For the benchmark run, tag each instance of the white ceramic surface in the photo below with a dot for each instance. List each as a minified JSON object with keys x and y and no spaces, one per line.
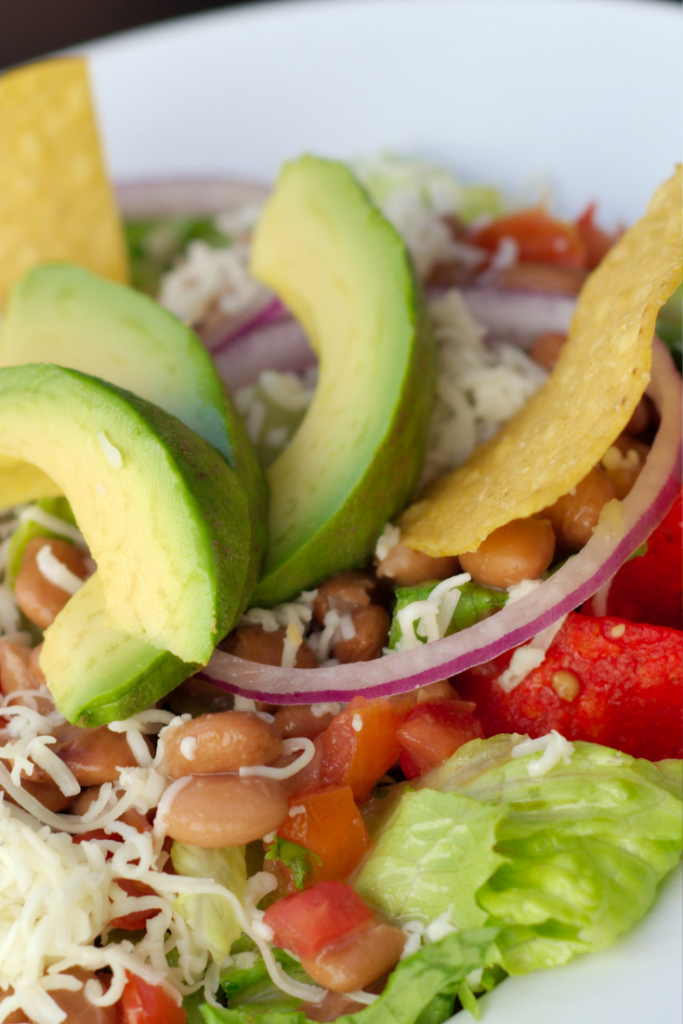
{"x":586,"y":94}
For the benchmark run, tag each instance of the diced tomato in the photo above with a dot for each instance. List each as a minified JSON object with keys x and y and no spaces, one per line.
{"x":603,"y":680}
{"x":310,"y":920}
{"x":136,"y":920}
{"x":308,"y":777}
{"x":142,"y":1003}
{"x":360,"y":744}
{"x":649,"y":587}
{"x":328,"y":822}
{"x":433,"y":731}
{"x":539,"y":238}
{"x":596,"y":241}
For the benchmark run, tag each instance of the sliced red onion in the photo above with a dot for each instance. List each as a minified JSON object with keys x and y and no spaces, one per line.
{"x":517,"y":315}
{"x":280,"y":345}
{"x":186,"y":197}
{"x":265,"y":310}
{"x":577,"y":580}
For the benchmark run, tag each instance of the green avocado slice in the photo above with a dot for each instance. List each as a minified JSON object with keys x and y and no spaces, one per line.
{"x":66,"y":314}
{"x":166,"y":519}
{"x":344,"y":272}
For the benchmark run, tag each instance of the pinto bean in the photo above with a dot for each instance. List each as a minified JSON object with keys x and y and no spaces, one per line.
{"x":42,"y":601}
{"x":343,"y":594}
{"x":225,"y":810}
{"x":299,"y":720}
{"x":372,"y":633}
{"x":47,"y":793}
{"x":15,"y":669}
{"x":575,"y":515}
{"x":77,"y":1006}
{"x":440,"y":690}
{"x":640,"y":418}
{"x":407,"y":568}
{"x":94,"y":755}
{"x":335,"y":1004}
{"x":546,"y":349}
{"x":254,"y":644}
{"x":368,"y":953}
{"x":521,"y":550}
{"x":222,"y":742}
{"x":131,"y":817}
{"x":623,"y":463}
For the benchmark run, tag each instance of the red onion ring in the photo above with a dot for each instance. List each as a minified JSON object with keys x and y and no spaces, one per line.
{"x":575,"y":582}
{"x":518,"y":315}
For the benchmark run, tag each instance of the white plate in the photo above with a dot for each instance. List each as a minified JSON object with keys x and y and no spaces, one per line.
{"x":586,"y":95}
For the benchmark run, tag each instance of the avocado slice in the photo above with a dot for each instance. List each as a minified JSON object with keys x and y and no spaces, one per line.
{"x":65,"y":314}
{"x":344,"y":272}
{"x":166,"y":518}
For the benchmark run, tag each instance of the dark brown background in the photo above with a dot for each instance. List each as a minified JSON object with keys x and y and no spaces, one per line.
{"x":29,"y":28}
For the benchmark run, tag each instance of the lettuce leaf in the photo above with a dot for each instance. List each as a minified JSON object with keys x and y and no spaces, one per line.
{"x":435,"y":972}
{"x":584,"y":846}
{"x":211,"y":918}
{"x":476,"y":602}
{"x":435,"y":852}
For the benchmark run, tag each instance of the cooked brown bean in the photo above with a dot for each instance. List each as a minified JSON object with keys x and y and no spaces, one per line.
{"x":368,"y":954}
{"x":406,"y":567}
{"x":196,"y":696}
{"x":40,"y":600}
{"x":546,"y":349}
{"x":335,"y":1004}
{"x":94,"y":755}
{"x":225,"y":810}
{"x":640,"y":418}
{"x":254,"y":644}
{"x":543,"y":277}
{"x":47,"y":793}
{"x":440,"y":690}
{"x":131,"y":817}
{"x":222,"y":742}
{"x":520,"y":550}
{"x":575,"y":515}
{"x":77,"y":1006}
{"x":342,"y":594}
{"x":299,"y":720}
{"x":15,"y":668}
{"x":372,"y":634}
{"x":623,"y":463}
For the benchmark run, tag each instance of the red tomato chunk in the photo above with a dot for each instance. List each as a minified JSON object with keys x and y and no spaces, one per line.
{"x":361,"y":744}
{"x":649,"y":587}
{"x":142,"y":1003}
{"x":539,"y":238}
{"x":328,"y":823}
{"x":307,"y":922}
{"x":603,"y":680}
{"x":433,"y":731}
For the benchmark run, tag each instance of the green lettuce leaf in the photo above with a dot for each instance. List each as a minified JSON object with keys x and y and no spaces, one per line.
{"x":433,"y":974}
{"x":433,"y":854}
{"x":26,"y":531}
{"x":211,"y":918}
{"x":584,"y":846}
{"x":155,"y":243}
{"x":475,"y":603}
{"x":246,"y":983}
{"x":300,"y":860}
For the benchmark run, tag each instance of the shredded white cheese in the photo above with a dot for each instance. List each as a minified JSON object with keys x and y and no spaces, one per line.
{"x":318,"y":710}
{"x":36,"y":514}
{"x":288,"y":747}
{"x":357,"y":723}
{"x":528,"y":657}
{"x":555,"y":749}
{"x":292,"y":643}
{"x":426,"y":621}
{"x":388,"y":539}
{"x":56,"y":572}
{"x":188,"y":747}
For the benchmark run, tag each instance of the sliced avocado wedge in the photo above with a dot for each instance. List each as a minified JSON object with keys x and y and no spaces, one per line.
{"x":61,"y":313}
{"x":344,"y":272}
{"x":99,"y":673}
{"x":165,"y":517}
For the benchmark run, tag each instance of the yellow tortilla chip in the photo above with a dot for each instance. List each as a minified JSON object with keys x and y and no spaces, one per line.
{"x":568,"y":425}
{"x":55,"y":199}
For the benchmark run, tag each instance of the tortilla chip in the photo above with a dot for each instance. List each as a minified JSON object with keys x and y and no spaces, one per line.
{"x":55,"y":199}
{"x":568,"y":425}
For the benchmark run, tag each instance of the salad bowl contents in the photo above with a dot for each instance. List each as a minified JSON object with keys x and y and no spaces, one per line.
{"x":360,"y":725}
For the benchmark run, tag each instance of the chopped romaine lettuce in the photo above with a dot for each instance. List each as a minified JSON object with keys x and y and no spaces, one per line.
{"x":211,"y":918}
{"x":416,"y":993}
{"x":298,"y":859}
{"x":475,"y":603}
{"x":155,"y":243}
{"x":434,"y":853}
{"x":246,"y":983}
